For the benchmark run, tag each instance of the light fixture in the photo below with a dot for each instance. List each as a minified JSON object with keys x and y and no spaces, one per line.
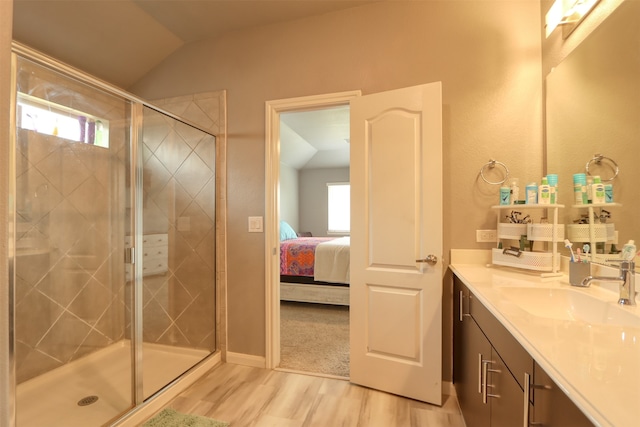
{"x":568,"y":14}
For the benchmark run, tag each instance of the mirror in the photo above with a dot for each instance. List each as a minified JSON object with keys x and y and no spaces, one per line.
{"x":593,"y":107}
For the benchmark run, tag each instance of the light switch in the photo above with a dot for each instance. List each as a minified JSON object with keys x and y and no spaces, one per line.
{"x":255,"y":224}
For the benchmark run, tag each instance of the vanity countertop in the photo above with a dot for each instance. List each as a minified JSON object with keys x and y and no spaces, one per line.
{"x":596,"y":364}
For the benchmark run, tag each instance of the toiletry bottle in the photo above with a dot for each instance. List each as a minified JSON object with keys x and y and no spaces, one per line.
{"x":544,"y":192}
{"x":629,"y":251}
{"x":552,"y":178}
{"x":608,"y":193}
{"x":505,"y":195}
{"x":580,"y":189}
{"x":515,"y":191}
{"x":531,"y":193}
{"x":597,"y":190}
{"x":589,"y":189}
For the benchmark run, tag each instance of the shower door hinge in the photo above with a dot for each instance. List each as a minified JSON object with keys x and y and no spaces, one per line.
{"x":129,"y":255}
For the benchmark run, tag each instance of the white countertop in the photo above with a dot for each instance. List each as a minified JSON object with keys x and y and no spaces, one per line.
{"x":596,"y":365}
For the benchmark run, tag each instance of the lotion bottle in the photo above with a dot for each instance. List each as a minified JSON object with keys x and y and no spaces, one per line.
{"x":544,"y":192}
{"x":515,"y":191}
{"x":597,"y":190}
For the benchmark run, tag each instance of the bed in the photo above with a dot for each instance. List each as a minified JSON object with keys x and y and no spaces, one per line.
{"x":315,"y":269}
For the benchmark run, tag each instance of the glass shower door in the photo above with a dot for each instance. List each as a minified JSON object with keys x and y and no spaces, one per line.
{"x":71,"y":300}
{"x":178,"y":248}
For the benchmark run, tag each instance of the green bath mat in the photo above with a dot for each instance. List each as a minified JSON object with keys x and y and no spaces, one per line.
{"x":172,"y":418}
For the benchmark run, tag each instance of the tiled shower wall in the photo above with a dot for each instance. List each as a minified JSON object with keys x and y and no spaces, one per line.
{"x":179,"y":201}
{"x":208,"y":110}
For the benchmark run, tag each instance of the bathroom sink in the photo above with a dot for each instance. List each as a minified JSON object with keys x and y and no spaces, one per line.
{"x":571,"y":304}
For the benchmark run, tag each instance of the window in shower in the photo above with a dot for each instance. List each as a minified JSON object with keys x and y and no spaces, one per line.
{"x":53,"y":119}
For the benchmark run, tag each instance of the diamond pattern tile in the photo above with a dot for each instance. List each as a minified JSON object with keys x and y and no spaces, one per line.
{"x":63,"y":337}
{"x":155,"y":129}
{"x":199,"y":224}
{"x":63,"y":169}
{"x":33,"y":183}
{"x":155,"y":176}
{"x":195,"y":275}
{"x":174,"y":336}
{"x":155,"y":321}
{"x":206,"y":149}
{"x":172,"y":151}
{"x":38,"y":313}
{"x":193,"y":174}
{"x":91,"y":302}
{"x":64,"y":282}
{"x":206,"y":199}
{"x":90,"y":199}
{"x":189,"y":134}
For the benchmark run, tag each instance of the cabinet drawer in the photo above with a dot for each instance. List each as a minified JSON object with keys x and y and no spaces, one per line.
{"x":514,"y":355}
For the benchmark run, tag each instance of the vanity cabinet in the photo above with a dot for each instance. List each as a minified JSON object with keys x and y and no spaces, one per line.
{"x":487,"y":390}
{"x":494,"y":375}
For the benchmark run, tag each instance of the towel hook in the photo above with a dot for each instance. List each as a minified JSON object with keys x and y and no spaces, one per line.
{"x":492,"y":164}
{"x":598,"y":159}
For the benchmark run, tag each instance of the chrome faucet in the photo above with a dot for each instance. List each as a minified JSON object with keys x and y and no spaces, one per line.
{"x":627,"y":279}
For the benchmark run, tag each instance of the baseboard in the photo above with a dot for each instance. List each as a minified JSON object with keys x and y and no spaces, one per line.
{"x":246,"y":360}
{"x":448,"y":388}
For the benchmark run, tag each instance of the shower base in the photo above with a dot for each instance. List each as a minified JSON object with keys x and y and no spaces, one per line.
{"x":56,"y":399}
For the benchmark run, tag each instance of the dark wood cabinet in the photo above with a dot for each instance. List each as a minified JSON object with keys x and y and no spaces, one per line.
{"x":552,"y":407}
{"x":488,"y":393}
{"x":497,"y":382}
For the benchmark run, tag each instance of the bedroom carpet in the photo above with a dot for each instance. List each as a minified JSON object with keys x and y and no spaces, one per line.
{"x":314,"y":338}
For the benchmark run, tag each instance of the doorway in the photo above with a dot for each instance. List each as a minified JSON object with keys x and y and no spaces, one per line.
{"x":284,"y":118}
{"x":396,"y":150}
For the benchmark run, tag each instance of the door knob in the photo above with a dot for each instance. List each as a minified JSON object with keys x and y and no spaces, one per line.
{"x":430,"y":259}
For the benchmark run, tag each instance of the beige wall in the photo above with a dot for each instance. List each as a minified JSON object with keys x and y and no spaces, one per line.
{"x":6,"y":12}
{"x":487,"y":54}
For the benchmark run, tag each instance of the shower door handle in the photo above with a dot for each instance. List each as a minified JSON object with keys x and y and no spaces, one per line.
{"x":129,"y":255}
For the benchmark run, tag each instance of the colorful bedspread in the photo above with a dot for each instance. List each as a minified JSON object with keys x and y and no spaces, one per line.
{"x":297,"y":256}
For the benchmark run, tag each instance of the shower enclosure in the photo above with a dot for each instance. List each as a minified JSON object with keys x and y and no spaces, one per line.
{"x":113,"y":249}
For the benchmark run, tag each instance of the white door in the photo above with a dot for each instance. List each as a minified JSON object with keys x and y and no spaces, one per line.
{"x":396,"y":224}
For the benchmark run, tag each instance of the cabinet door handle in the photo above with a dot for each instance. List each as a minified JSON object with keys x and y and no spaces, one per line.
{"x":485,"y":382}
{"x":527,"y":397}
{"x":485,"y":364}
{"x":527,"y":392}
{"x":461,"y":303}
{"x":480,"y":366}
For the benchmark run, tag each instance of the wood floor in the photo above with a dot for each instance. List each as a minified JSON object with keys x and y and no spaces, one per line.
{"x":246,"y":396}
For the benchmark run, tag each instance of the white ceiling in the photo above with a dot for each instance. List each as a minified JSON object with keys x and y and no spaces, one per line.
{"x":120,"y":41}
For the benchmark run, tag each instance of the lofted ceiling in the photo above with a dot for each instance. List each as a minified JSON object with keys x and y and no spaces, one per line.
{"x":315,"y":139}
{"x":120,"y":41}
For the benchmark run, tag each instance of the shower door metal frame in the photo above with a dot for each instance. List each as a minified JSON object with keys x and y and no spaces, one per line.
{"x":135,"y":172}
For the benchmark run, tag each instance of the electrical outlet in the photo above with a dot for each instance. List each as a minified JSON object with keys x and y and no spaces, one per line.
{"x":483,"y":236}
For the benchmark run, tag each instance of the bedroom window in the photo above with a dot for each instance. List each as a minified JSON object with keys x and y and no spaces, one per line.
{"x":339,"y":203}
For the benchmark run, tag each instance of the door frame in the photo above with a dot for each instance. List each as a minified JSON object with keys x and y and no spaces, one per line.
{"x":273,"y":109}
